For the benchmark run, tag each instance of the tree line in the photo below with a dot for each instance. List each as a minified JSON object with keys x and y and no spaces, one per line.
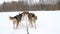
{"x":22,"y":6}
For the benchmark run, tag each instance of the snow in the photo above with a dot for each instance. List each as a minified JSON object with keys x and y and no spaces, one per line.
{"x":48,"y":23}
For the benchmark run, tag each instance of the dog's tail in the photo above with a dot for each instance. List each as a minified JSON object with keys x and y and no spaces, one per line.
{"x":10,"y":17}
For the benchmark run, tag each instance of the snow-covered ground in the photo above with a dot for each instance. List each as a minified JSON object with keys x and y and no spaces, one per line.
{"x":48,"y":23}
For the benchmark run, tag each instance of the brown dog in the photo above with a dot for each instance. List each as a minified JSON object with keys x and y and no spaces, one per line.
{"x":32,"y":18}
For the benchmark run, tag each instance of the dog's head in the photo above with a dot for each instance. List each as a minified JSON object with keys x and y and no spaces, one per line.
{"x":32,"y":16}
{"x":25,"y":13}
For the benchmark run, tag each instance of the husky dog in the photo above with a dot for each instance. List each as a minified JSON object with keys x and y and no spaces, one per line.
{"x":16,"y":20}
{"x":32,"y":18}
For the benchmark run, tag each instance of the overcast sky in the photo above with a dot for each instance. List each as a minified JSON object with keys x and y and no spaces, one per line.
{"x":34,"y":1}
{"x":48,"y":22}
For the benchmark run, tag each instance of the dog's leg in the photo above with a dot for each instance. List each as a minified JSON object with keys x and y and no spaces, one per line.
{"x":17,"y":23}
{"x":13,"y":25}
{"x":30,"y":22}
{"x":35,"y":18}
{"x":34,"y":23}
{"x":14,"y":22}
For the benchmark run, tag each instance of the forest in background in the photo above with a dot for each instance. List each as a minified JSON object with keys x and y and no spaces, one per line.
{"x":23,"y":6}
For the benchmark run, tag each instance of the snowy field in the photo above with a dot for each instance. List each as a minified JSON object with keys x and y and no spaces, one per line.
{"x":48,"y":22}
